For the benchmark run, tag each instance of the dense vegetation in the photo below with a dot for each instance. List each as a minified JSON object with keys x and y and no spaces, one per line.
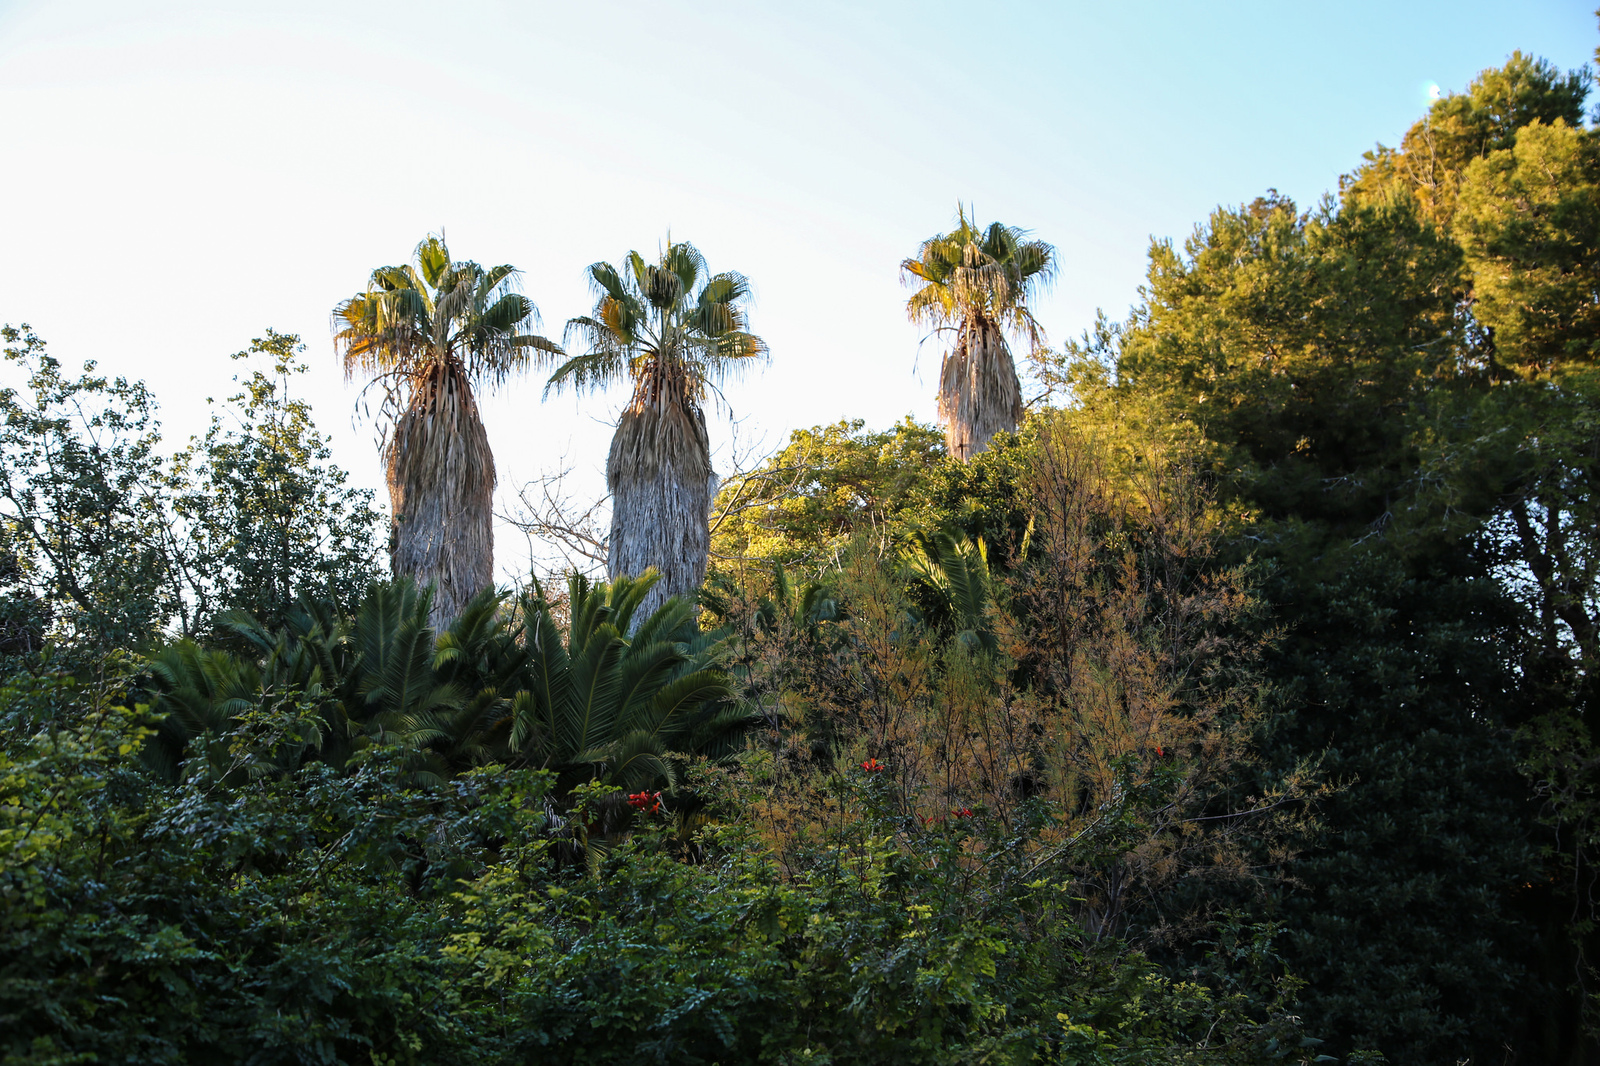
{"x":1238,"y":706}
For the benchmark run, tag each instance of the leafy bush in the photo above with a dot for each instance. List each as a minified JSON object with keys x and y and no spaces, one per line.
{"x":320,"y":917}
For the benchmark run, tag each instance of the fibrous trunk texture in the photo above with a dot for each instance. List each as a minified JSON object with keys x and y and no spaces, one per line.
{"x":979,"y":394}
{"x":441,"y":486}
{"x":661,"y":482}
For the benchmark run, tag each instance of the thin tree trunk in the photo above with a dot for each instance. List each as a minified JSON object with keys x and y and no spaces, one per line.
{"x":979,"y":394}
{"x":441,"y":487}
{"x":659,"y":473}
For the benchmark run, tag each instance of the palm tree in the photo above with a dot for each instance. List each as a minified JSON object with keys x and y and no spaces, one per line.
{"x":430,"y":332}
{"x":673,"y":330}
{"x":978,"y":282}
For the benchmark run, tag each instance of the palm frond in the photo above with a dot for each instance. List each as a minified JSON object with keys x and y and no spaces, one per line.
{"x":501,"y":319}
{"x":685,"y":263}
{"x":541,"y":344}
{"x":636,"y":760}
{"x":549,"y":697}
{"x":394,"y":644}
{"x":595,"y":370}
{"x":627,"y":594}
{"x":677,"y":703}
{"x":432,"y":258}
{"x":958,"y":569}
{"x":671,"y":622}
{"x":530,"y":731}
{"x":496,"y":278}
{"x":604,"y":281}
{"x":720,"y":733}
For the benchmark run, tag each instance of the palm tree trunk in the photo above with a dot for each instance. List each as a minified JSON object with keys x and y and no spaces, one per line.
{"x":979,"y":394}
{"x":441,"y":487}
{"x":661,"y":482}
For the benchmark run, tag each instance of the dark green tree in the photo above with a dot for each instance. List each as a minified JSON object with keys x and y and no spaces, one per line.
{"x":267,"y":516}
{"x":92,"y":559}
{"x":1529,"y":222}
{"x":1461,"y":127}
{"x":107,"y":543}
{"x":1316,"y":352}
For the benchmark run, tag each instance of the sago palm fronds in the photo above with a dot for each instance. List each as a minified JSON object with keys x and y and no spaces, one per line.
{"x":613,"y":694}
{"x":429,"y":333}
{"x":672,"y":330}
{"x":978,"y":282}
{"x":352,"y":681}
{"x":956,"y":568}
{"x":613,"y":707}
{"x":201,"y":692}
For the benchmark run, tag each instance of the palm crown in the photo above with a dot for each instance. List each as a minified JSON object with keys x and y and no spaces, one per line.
{"x":434,"y":320}
{"x":973,"y":275}
{"x":671,"y":328}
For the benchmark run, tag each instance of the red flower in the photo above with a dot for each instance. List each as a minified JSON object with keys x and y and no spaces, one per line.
{"x":648,"y":802}
{"x":965,"y":812}
{"x":873,"y":766}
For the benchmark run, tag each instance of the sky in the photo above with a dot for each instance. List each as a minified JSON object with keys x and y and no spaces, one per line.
{"x":178,"y":177}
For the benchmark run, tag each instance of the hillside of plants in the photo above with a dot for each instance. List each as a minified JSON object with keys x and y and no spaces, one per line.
{"x":1216,"y":688}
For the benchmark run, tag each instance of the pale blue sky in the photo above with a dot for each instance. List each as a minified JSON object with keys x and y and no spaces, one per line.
{"x":179,"y":176}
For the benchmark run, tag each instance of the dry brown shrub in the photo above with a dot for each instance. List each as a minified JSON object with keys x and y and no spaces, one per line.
{"x":1122,"y":701}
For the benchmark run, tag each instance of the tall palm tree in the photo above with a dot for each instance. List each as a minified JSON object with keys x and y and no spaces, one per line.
{"x":978,"y":282}
{"x":430,"y":332}
{"x":673,"y":330}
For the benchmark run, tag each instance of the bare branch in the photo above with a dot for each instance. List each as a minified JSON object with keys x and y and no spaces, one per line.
{"x":753,"y":484}
{"x":548,"y":511}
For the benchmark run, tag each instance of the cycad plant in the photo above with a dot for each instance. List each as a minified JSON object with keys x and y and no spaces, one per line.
{"x":375,"y":676}
{"x":430,"y":333}
{"x":977,"y":282}
{"x":955,"y":570}
{"x":602,"y":697}
{"x":611,"y":699}
{"x":673,"y":330}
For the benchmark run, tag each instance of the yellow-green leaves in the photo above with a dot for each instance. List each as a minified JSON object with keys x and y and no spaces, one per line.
{"x":1529,"y":220}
